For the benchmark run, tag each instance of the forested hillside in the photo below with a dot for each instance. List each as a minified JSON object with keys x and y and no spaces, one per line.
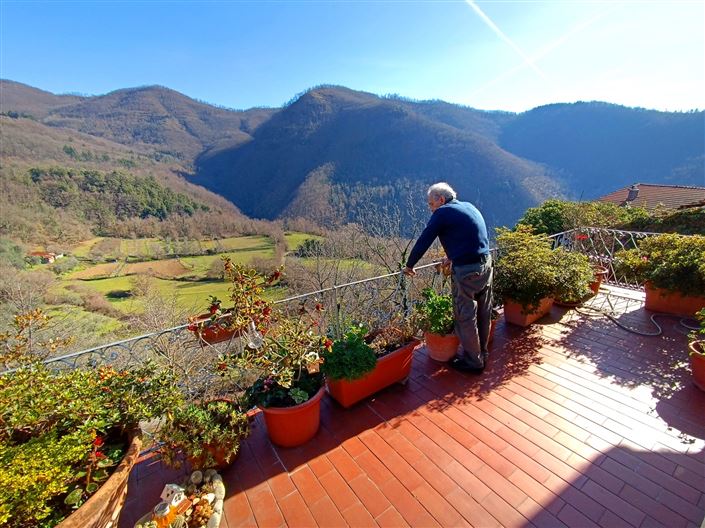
{"x":346,"y":148}
{"x":600,"y":147}
{"x":334,"y":152}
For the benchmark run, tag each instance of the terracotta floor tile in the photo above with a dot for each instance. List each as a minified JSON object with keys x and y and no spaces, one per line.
{"x":391,"y":518}
{"x":369,"y":494}
{"x":408,"y":506}
{"x":326,"y":514}
{"x":295,"y":511}
{"x":356,"y":515}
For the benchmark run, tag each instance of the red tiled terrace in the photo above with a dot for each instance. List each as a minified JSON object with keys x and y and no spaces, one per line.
{"x":575,"y":422}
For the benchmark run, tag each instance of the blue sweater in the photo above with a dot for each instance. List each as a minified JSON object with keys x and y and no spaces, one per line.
{"x":461,"y":230}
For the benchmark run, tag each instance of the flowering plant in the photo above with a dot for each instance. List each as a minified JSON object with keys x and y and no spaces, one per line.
{"x":250,"y":307}
{"x":669,"y":261}
{"x":286,"y":357}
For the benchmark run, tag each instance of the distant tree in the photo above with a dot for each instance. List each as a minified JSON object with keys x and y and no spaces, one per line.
{"x":12,"y":253}
{"x":64,"y":265}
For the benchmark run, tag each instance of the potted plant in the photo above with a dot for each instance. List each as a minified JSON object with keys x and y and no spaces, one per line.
{"x":435,"y":317}
{"x":288,"y":385}
{"x":69,"y":439}
{"x":525,"y":274}
{"x":362,"y":363}
{"x":250,"y":307}
{"x":697,"y":352}
{"x":574,"y":274}
{"x":672,"y":269}
{"x":207,"y":433}
{"x":600,"y":274}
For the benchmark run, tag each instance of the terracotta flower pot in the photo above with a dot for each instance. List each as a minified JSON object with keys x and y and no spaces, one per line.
{"x":390,"y":369}
{"x":697,"y":363}
{"x":102,"y":509}
{"x":219,"y":454}
{"x":493,"y":325}
{"x":293,"y":426}
{"x":665,"y":301}
{"x":514,"y":313}
{"x":441,"y":347}
{"x":600,"y":276}
{"x":215,"y":332}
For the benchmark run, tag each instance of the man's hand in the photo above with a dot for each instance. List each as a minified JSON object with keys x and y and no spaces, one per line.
{"x":409,"y":272}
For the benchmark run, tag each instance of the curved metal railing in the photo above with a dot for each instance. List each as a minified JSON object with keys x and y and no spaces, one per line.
{"x":379,"y":297}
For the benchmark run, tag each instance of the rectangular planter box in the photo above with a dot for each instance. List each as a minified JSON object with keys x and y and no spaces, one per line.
{"x":665,"y":301}
{"x":514,"y":313}
{"x":390,"y":369}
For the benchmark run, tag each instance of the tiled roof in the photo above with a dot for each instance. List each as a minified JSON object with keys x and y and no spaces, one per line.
{"x":650,"y":195}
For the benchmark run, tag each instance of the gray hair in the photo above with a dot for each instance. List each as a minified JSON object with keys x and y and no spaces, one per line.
{"x":442,"y":189}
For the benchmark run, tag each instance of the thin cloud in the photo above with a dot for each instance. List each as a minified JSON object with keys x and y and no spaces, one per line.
{"x":527,"y":60}
{"x":546,"y":49}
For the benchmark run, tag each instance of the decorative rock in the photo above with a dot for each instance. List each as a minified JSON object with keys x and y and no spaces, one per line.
{"x":218,"y":489}
{"x":196,"y":477}
{"x":208,"y":475}
{"x":214,"y":521}
{"x":210,"y":497}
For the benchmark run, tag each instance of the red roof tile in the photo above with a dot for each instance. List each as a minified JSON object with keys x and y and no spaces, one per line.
{"x":650,"y":196}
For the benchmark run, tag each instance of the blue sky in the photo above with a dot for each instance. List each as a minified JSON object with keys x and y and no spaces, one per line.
{"x":495,"y":55}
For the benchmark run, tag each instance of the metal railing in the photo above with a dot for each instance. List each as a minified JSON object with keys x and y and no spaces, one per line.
{"x":374,"y":298}
{"x":191,"y":359}
{"x":600,"y":245}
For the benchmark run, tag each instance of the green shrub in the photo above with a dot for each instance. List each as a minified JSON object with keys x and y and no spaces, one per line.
{"x":525,"y":270}
{"x":193,"y":427}
{"x":669,"y":261}
{"x":435,"y":312}
{"x":573,"y":275}
{"x":555,"y":216}
{"x":59,"y":432}
{"x":350,"y":357}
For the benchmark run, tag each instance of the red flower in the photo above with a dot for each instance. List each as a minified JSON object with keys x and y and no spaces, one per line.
{"x":582,"y":237}
{"x":98,"y":441}
{"x":99,"y":455}
{"x":319,"y":307}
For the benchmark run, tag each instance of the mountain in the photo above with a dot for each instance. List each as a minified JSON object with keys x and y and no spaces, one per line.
{"x":350,"y":148}
{"x":334,"y":153}
{"x":151,"y":117}
{"x":31,"y":102}
{"x":599,"y":147}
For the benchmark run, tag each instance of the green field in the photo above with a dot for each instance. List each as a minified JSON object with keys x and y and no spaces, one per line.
{"x":295,"y":239}
{"x":184,"y":277}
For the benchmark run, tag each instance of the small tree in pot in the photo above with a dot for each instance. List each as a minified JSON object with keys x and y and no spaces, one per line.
{"x":672,"y":269}
{"x":435,"y":318}
{"x":525,"y":274}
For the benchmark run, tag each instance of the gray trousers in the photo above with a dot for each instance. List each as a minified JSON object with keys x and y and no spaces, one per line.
{"x":472,"y":307}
